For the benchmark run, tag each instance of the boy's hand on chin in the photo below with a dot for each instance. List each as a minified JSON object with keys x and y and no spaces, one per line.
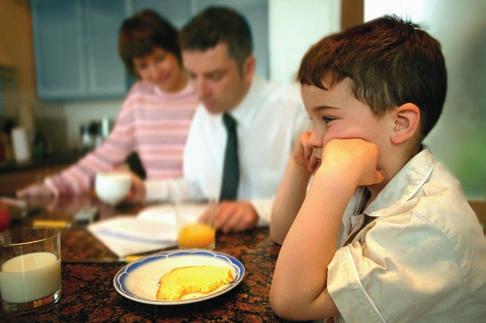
{"x":352,"y":157}
{"x":302,"y":152}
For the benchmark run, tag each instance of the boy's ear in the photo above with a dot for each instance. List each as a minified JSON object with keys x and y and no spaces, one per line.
{"x":406,"y":119}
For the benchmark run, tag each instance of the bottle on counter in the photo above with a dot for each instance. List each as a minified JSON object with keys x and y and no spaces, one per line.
{"x":40,"y":148}
{"x":21,"y":145}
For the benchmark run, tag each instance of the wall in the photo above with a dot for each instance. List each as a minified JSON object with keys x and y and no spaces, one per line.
{"x":16,"y":50}
{"x":81,"y":112}
{"x":459,"y":139}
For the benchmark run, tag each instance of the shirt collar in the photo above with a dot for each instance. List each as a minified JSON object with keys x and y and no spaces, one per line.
{"x":405,"y":184}
{"x":244,"y":111}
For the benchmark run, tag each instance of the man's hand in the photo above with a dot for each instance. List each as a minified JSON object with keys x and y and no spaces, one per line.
{"x":302,"y":152}
{"x":137,"y":190}
{"x":232,"y":216}
{"x":35,"y":190}
{"x":352,"y":156}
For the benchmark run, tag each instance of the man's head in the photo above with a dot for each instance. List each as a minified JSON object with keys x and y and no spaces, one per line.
{"x":389,"y":62}
{"x":217,"y":50}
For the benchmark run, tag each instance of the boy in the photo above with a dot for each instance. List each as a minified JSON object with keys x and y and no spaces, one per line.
{"x":384,"y":233}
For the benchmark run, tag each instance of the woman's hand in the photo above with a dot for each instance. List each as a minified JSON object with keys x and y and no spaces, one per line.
{"x":137,"y":190}
{"x":34,"y":190}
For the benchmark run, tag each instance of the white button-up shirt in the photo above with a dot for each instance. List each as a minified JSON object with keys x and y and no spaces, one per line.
{"x":421,"y":256}
{"x":269,"y":119}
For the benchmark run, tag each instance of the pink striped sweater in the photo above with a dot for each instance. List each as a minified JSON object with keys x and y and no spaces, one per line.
{"x":152,"y":123}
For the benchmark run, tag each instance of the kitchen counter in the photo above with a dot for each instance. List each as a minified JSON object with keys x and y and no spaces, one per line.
{"x":54,"y":160}
{"x":15,"y":176}
{"x":88,"y":294}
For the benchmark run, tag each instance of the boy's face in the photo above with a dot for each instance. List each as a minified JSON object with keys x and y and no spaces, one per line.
{"x":219,"y":84}
{"x":336,"y":113}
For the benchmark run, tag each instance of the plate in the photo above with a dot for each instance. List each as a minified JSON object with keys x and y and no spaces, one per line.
{"x":139,"y":280}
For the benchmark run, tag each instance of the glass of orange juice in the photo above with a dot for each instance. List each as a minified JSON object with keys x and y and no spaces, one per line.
{"x":195,"y":234}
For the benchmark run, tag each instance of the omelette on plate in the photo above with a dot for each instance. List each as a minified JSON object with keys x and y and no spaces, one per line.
{"x":184,"y":281}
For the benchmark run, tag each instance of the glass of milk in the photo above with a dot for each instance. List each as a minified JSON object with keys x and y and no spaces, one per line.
{"x":30,"y":268}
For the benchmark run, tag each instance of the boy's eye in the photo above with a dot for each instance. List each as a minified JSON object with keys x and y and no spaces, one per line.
{"x":328,"y":119}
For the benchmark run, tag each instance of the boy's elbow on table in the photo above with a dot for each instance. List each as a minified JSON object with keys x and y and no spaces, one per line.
{"x":283,"y":305}
{"x":288,"y":306}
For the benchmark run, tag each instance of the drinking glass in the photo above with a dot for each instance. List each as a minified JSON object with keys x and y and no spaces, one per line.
{"x":30,"y":263}
{"x":191,"y":233}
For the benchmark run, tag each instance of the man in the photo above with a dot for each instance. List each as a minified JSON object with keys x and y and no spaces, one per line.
{"x":217,"y":54}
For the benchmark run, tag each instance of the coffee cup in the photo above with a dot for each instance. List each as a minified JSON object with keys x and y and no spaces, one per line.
{"x":112,"y":187}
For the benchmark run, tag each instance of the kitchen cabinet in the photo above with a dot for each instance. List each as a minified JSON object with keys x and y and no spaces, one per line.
{"x":177,"y":12}
{"x":76,"y":53}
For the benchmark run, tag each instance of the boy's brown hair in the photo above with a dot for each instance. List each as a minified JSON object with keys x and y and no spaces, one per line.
{"x":389,"y":60}
{"x":142,"y":33}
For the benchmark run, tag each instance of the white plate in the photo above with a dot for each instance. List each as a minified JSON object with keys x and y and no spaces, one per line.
{"x":139,"y":280}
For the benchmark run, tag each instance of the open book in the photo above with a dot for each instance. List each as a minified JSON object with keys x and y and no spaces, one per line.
{"x":151,"y":229}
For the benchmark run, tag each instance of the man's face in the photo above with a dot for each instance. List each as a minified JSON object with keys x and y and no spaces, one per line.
{"x":219,"y":83}
{"x":337,"y":114}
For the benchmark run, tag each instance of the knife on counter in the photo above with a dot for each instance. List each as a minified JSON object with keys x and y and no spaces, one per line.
{"x":125,"y":259}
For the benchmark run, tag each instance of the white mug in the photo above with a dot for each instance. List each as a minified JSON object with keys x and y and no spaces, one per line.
{"x":112,"y":187}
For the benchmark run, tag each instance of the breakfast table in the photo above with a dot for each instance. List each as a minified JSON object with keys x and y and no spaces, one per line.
{"x":88,"y":268}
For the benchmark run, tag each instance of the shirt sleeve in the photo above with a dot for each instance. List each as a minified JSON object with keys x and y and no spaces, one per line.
{"x":401,"y":268}
{"x":177,"y":189}
{"x":112,"y":152}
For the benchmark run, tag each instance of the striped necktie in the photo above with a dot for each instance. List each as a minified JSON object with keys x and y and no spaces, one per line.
{"x":231,"y":167}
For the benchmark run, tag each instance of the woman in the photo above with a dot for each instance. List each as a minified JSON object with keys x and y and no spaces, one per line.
{"x":155,"y":117}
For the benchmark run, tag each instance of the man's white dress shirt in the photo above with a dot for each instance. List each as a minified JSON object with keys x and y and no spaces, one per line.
{"x":269,"y":119}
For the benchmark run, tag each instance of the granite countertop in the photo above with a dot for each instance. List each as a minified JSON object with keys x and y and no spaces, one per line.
{"x":88,"y":293}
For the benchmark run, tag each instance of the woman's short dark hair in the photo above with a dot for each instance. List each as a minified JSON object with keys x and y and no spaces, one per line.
{"x":141,"y":33}
{"x":389,"y":60}
{"x":218,"y":24}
